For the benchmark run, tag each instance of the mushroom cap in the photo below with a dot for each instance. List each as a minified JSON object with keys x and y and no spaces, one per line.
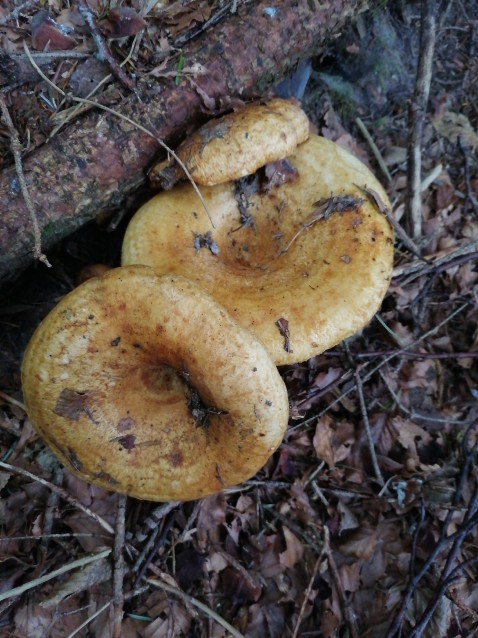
{"x":300,"y":285}
{"x":237,"y":144}
{"x":144,"y":385}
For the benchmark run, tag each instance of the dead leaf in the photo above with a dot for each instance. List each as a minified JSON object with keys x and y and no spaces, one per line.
{"x":122,"y":22}
{"x":361,"y":544}
{"x":332,"y":443}
{"x":48,"y":35}
{"x":294,"y":551}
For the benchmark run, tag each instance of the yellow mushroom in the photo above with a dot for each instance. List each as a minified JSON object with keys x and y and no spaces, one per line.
{"x":236,"y":144}
{"x":302,"y":265}
{"x":145,"y":385}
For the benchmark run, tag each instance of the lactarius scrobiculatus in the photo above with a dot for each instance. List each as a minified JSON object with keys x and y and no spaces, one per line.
{"x":302,"y":258}
{"x":144,"y":385}
{"x":237,"y":144}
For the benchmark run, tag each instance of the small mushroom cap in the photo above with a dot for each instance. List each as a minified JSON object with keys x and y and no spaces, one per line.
{"x":144,"y":385}
{"x":300,"y":274}
{"x":237,"y":144}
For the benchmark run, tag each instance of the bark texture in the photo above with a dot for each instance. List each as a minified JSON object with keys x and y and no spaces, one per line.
{"x":97,"y":162}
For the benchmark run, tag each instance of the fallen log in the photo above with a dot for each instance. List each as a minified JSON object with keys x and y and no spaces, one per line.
{"x":92,"y":166}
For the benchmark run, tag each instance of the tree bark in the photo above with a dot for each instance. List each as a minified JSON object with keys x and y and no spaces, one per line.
{"x":97,"y":162}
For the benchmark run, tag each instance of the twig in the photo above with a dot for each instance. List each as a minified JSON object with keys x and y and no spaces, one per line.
{"x":439,"y":262}
{"x":374,"y":148}
{"x":153,"y":521}
{"x":51,"y":56}
{"x":14,"y":15}
{"x":416,"y":533}
{"x":427,"y":615}
{"x":347,"y":611}
{"x":154,"y":547}
{"x":384,"y":209}
{"x":307,"y":593}
{"x":323,"y":209}
{"x":163,"y":145}
{"x":371,"y":354}
{"x":417,"y":116}
{"x":469,"y":198}
{"x":214,"y":19}
{"x":456,"y":539}
{"x":61,"y":118}
{"x":365,"y":419}
{"x":80,"y":562}
{"x":99,"y":611}
{"x":411,"y":414}
{"x":61,"y":492}
{"x":50,"y":508}
{"x":16,"y":149}
{"x":189,"y":600}
{"x":118,"y":574}
{"x":376,"y":368}
{"x":104,"y":52}
{"x":6,"y":397}
{"x":89,"y":619}
{"x":430,"y":178}
{"x":368,"y":431}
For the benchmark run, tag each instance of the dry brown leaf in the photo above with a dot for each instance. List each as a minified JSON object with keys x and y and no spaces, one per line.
{"x":350,"y":577}
{"x":294,"y":550}
{"x":348,"y":520}
{"x":361,"y":544}
{"x":332,"y":442}
{"x":212,"y":515}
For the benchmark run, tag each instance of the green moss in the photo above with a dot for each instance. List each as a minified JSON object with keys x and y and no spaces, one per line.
{"x":48,"y":232}
{"x":344,"y":96}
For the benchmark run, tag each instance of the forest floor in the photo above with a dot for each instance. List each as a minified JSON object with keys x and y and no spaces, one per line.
{"x":365,"y":521}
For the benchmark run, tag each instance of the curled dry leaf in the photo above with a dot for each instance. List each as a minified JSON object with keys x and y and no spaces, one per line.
{"x":294,"y":550}
{"x":122,"y":22}
{"x":47,"y":34}
{"x":361,"y":544}
{"x":332,"y":442}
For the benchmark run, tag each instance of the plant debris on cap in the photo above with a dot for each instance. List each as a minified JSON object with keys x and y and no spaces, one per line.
{"x":236,"y":144}
{"x":314,"y":255}
{"x":143,"y":384}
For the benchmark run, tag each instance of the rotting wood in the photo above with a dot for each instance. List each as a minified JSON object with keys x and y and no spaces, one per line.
{"x":97,"y":162}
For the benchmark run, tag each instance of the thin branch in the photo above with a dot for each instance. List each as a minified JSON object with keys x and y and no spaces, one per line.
{"x":374,"y":148}
{"x":417,"y":113}
{"x":128,"y":596}
{"x":368,"y":431}
{"x":427,"y":615}
{"x":346,"y":608}
{"x":377,"y":367}
{"x":307,"y":593}
{"x":456,"y":540}
{"x":375,"y":199}
{"x":80,"y":562}
{"x":469,"y":197}
{"x":189,"y":600}
{"x":16,"y":149}
{"x":61,"y":492}
{"x":163,"y":145}
{"x":153,"y":545}
{"x":436,"y":263}
{"x":371,"y":354}
{"x":104,"y":52}
{"x":118,"y":574}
